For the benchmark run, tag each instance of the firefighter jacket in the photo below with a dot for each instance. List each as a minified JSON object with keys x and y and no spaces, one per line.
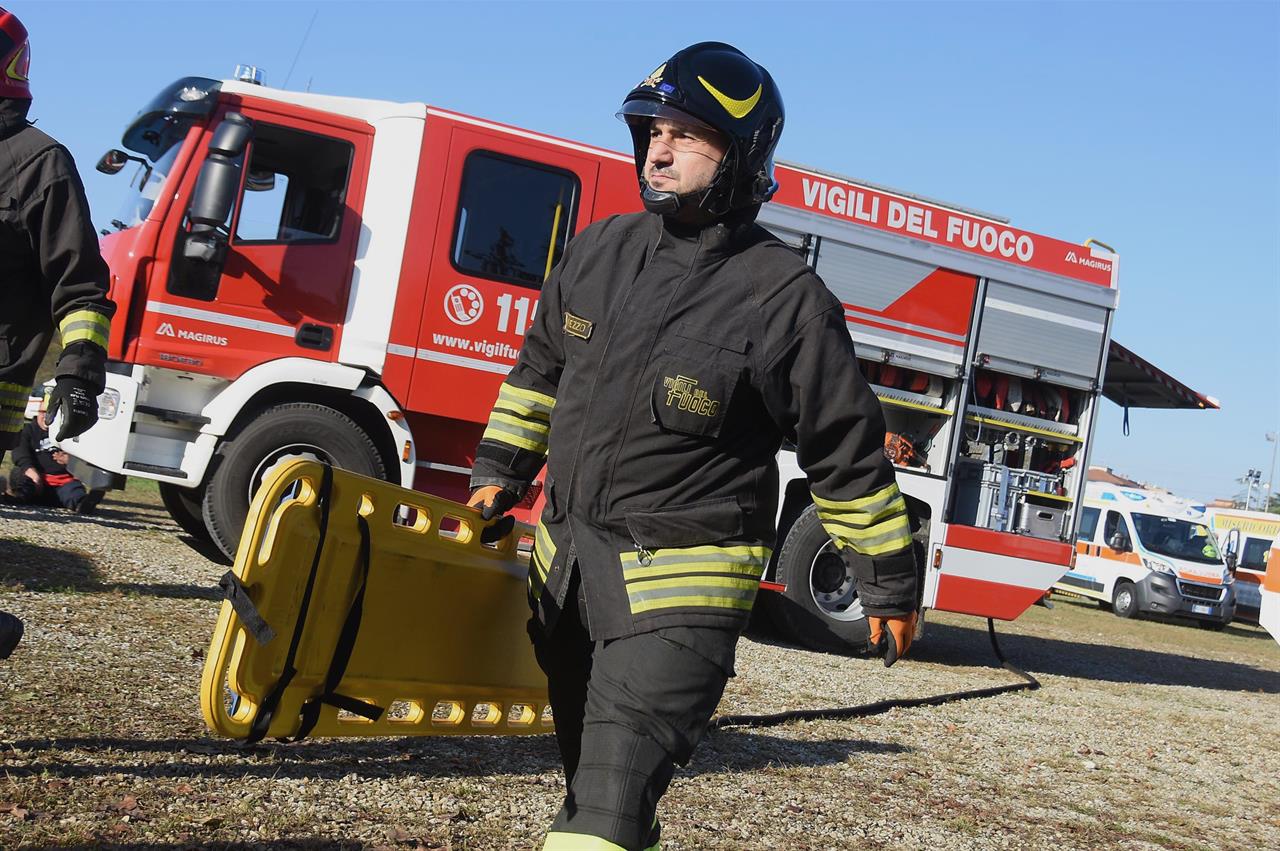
{"x":50,"y":269}
{"x":661,"y":375}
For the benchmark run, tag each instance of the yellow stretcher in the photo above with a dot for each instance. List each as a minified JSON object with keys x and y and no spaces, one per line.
{"x":358,"y":608}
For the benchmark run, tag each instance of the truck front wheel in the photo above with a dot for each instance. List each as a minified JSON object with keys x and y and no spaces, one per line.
{"x":185,"y":506}
{"x":820,"y":608}
{"x":279,"y":434}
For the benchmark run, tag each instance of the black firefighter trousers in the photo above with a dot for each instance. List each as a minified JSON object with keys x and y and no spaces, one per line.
{"x":626,"y":711}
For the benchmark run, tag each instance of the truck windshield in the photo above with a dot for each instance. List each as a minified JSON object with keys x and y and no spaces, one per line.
{"x":144,"y":189}
{"x":1175,"y":538}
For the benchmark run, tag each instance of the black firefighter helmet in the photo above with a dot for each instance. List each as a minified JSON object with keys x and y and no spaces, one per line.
{"x":717,"y":85}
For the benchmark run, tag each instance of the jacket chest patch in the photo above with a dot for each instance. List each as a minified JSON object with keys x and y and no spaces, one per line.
{"x":576,"y":326}
{"x":684,"y":394}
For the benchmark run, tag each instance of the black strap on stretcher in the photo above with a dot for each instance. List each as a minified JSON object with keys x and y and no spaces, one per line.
{"x":342,"y":653}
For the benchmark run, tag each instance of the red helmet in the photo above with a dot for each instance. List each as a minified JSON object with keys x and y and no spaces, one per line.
{"x":15,"y":57}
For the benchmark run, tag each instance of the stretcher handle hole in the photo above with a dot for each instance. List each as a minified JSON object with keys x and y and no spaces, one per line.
{"x":447,"y":713}
{"x":300,"y":492}
{"x":521,"y":715}
{"x":366,"y":505}
{"x":486,"y":714}
{"x":548,"y":717}
{"x":238,"y":708}
{"x":455,"y":528}
{"x":406,"y":712}
{"x":345,"y":717}
{"x":412,"y":517}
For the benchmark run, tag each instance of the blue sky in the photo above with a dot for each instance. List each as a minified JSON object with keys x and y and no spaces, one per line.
{"x":1154,"y":127}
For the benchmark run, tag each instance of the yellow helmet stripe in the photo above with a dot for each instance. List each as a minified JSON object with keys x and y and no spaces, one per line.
{"x":736,"y":108}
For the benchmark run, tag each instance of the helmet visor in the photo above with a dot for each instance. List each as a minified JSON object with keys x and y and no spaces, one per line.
{"x":642,"y":109}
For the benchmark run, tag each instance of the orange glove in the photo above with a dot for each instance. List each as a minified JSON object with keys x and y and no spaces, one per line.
{"x":484,"y":498}
{"x":890,"y":637}
{"x":494,"y":501}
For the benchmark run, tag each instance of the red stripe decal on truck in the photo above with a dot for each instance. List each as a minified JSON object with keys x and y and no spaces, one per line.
{"x":985,"y":599}
{"x":1006,"y":544}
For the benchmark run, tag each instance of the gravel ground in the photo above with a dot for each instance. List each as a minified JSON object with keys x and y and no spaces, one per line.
{"x":1145,"y":734}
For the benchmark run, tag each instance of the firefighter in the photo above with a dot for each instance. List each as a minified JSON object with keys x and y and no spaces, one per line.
{"x":673,"y":352}
{"x":50,"y":270}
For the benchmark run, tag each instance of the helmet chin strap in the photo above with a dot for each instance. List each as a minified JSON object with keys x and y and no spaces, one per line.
{"x":690,"y":207}
{"x":662,"y":203}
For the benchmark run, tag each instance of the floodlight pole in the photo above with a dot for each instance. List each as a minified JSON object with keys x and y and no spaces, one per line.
{"x":1274,"y":439}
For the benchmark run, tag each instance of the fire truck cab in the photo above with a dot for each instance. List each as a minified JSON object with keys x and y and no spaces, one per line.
{"x":349,"y":280}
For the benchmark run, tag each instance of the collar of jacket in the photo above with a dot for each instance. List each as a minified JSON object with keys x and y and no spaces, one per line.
{"x":13,"y":115}
{"x":718,"y":239}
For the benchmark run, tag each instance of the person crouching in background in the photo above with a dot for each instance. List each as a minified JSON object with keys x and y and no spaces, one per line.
{"x":39,"y":475}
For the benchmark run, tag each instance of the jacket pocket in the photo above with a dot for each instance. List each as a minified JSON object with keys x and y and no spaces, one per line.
{"x":686,"y":525}
{"x":728,"y":342}
{"x":691,"y":396}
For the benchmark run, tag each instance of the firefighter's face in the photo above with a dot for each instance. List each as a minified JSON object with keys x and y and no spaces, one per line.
{"x":682,"y":158}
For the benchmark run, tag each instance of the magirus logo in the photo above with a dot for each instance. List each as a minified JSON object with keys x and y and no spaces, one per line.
{"x":166,"y":329}
{"x":1090,"y":262}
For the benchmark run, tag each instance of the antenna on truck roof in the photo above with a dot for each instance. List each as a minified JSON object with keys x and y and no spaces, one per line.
{"x":301,"y":45}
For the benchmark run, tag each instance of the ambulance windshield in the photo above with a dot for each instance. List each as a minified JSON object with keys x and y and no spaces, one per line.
{"x":1168,"y":536}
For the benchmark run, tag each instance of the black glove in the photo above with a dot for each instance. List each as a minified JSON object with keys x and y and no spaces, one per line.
{"x":78,"y":401}
{"x":494,"y":501}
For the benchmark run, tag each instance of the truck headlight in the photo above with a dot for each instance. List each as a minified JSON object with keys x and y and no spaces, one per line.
{"x":1157,"y":565}
{"x":108,"y":404}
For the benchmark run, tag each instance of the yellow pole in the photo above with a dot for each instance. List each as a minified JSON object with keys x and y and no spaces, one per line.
{"x":555,"y":233}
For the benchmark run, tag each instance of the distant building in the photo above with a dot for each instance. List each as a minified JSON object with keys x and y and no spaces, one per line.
{"x":1109,"y":476}
{"x":1223,"y":503}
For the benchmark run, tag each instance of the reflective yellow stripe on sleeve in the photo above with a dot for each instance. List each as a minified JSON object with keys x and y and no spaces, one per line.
{"x":521,"y":418}
{"x":874,"y":525}
{"x":85,"y":326}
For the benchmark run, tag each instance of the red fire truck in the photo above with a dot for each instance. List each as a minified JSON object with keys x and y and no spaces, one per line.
{"x":350,"y":280}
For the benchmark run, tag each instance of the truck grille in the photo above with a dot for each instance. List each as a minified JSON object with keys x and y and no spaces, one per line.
{"x":1200,"y":592}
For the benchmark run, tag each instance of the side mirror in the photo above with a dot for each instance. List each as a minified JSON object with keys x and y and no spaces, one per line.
{"x":1119,"y":543}
{"x":1233,"y":561}
{"x":220,"y":174}
{"x":113,"y":160}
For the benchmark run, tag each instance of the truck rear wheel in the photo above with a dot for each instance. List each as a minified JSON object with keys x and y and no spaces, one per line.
{"x":185,"y":506}
{"x":276,"y":436}
{"x":820,"y":608}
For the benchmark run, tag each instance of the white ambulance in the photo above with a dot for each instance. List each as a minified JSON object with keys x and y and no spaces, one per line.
{"x":1142,"y":551}
{"x":1269,"y":616}
{"x":1245,"y":537}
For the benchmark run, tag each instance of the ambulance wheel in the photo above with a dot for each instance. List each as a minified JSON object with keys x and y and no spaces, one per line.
{"x":185,"y":506}
{"x":820,"y":608}
{"x":1124,"y":602}
{"x":276,"y":436}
